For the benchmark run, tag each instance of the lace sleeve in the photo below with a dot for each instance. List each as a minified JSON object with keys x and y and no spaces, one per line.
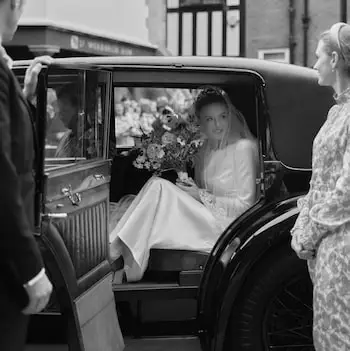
{"x":236,"y":202}
{"x":333,"y":211}
{"x":209,"y":201}
{"x":303,"y":217}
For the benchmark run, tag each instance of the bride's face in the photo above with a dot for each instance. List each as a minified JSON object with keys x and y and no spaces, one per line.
{"x":214,"y":120}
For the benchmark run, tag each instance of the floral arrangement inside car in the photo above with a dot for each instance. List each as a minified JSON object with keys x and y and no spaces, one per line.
{"x":135,"y":118}
{"x":170,"y":145}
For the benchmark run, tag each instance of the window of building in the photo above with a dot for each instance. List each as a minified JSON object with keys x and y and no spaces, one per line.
{"x":278,"y":55}
{"x":206,"y":27}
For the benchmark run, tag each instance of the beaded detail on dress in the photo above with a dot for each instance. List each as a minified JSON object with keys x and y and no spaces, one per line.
{"x":343,"y":97}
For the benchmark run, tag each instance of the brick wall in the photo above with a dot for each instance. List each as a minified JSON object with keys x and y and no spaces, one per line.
{"x":267,"y":25}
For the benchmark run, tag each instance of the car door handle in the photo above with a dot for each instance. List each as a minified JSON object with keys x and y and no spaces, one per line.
{"x":75,"y":198}
{"x":99,"y":176}
{"x":49,"y":216}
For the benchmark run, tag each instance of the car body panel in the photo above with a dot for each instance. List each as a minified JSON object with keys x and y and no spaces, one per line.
{"x":291,"y":107}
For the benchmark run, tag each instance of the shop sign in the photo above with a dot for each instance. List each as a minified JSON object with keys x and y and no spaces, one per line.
{"x":99,"y":47}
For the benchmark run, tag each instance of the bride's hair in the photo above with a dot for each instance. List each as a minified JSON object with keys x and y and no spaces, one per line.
{"x":210,"y":95}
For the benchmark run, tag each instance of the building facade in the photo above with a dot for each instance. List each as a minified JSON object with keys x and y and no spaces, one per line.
{"x":82,"y":27}
{"x":205,"y":27}
{"x":285,"y":31}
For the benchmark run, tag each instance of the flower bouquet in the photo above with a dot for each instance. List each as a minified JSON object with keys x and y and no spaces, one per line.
{"x":171,"y":145}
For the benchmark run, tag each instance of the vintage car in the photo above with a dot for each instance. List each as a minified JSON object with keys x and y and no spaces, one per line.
{"x":251,"y":292}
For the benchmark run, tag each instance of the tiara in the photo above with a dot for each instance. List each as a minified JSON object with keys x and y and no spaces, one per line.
{"x":209,"y":91}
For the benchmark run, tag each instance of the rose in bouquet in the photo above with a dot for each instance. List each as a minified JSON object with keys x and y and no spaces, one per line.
{"x":171,"y":145}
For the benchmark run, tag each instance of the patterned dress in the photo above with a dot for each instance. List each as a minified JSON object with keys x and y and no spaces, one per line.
{"x":324,"y":225}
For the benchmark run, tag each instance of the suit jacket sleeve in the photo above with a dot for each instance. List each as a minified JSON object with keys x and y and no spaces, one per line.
{"x":17,"y":243}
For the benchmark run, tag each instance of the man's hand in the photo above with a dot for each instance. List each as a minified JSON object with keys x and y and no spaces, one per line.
{"x":32,"y":73}
{"x":301,"y":252}
{"x":39,"y":295}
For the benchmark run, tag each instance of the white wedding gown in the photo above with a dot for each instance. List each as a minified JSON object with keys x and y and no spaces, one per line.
{"x":165,"y":217}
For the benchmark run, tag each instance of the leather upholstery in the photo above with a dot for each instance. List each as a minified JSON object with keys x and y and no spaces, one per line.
{"x":84,"y":236}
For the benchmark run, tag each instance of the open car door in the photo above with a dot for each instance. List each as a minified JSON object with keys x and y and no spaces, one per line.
{"x":73,"y":204}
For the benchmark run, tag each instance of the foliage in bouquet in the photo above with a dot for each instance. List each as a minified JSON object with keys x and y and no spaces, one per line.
{"x":171,"y":144}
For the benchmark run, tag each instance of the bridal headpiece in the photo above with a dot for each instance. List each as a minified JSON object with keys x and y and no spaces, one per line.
{"x":207,"y":95}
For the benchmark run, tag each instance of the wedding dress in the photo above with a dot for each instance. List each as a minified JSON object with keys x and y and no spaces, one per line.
{"x":165,"y":217}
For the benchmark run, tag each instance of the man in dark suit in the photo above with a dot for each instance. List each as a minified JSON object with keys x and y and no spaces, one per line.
{"x":24,"y":286}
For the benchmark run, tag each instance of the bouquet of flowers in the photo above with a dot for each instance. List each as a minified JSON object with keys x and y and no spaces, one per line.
{"x":171,"y":144}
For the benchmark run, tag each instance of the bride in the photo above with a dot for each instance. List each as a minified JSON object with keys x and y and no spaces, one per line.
{"x":192,"y":216}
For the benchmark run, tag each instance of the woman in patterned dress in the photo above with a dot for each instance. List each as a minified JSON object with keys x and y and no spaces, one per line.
{"x":321,"y":234}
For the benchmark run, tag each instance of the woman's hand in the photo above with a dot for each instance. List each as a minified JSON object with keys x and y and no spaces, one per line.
{"x":301,"y":252}
{"x":32,"y":73}
{"x":190,"y":188}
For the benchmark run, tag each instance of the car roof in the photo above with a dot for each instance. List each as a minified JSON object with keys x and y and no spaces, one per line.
{"x":297,"y":105}
{"x":256,"y":65}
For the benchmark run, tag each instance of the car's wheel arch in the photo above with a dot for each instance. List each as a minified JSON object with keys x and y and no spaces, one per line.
{"x":262,"y":243}
{"x":234,"y":290}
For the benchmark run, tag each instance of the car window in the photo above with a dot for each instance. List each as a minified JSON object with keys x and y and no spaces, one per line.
{"x":136,"y":108}
{"x":76,"y":116}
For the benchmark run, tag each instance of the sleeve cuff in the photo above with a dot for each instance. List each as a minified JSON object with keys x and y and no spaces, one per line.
{"x":35,"y":279}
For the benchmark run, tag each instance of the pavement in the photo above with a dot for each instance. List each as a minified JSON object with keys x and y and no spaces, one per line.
{"x":151,"y":344}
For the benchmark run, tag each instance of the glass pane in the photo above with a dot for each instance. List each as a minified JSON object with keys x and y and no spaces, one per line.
{"x":173,"y":4}
{"x":216,"y":38}
{"x":95,"y":108}
{"x":233,"y":33}
{"x":278,"y":56}
{"x":187,"y":34}
{"x":136,"y":108}
{"x":212,"y":2}
{"x":232,"y":2}
{"x":76,"y":116}
{"x":126,"y":112}
{"x":200,"y":2}
{"x":173,"y":33}
{"x":202,"y":34}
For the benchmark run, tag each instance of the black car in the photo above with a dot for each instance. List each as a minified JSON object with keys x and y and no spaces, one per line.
{"x":251,"y":292}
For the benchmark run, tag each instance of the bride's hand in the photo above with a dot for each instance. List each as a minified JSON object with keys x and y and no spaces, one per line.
{"x":190,"y":188}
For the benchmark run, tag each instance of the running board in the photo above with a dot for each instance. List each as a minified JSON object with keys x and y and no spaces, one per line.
{"x":162,"y":344}
{"x":150,"y":290}
{"x":154,"y":344}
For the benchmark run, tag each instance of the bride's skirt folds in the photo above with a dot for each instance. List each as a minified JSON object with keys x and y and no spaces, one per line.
{"x":165,"y":217}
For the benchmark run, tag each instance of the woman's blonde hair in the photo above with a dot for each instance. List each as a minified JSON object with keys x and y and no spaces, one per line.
{"x":338,"y":42}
